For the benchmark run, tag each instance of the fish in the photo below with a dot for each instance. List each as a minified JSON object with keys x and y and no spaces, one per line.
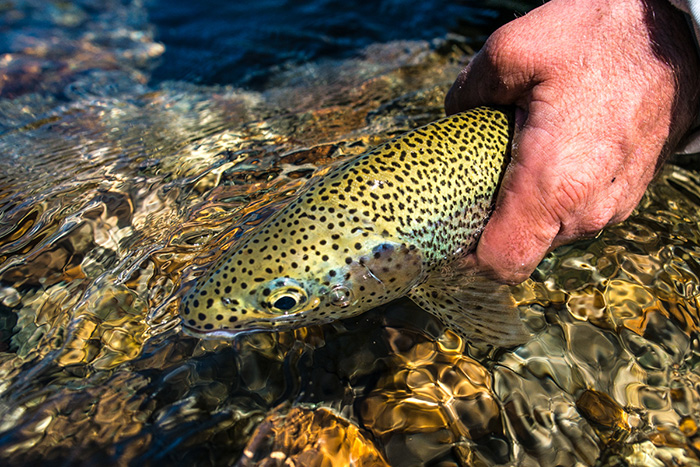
{"x":398,"y":220}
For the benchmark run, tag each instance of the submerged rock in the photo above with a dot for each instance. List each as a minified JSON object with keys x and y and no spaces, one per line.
{"x":309,"y":438}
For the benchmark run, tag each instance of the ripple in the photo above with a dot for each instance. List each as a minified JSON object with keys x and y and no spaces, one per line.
{"x":119,"y":195}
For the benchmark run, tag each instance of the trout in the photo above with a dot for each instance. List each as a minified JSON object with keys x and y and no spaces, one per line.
{"x":395,"y":221}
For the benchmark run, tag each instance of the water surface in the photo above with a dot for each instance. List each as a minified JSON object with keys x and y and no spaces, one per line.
{"x":118,"y":187}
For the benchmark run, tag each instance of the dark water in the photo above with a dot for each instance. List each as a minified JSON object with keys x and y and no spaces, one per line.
{"x":130,"y":160}
{"x":244,"y":42}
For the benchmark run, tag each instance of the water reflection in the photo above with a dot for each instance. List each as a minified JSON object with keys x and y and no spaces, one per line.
{"x":114,"y":199}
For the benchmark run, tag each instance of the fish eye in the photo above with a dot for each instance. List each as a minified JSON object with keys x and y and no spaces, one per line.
{"x":285,"y":303}
{"x":283,"y":296}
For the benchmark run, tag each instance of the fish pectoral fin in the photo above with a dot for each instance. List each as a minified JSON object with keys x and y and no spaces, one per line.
{"x":391,"y":264}
{"x":477,"y":308}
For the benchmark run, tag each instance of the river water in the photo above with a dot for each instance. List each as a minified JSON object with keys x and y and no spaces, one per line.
{"x":140,"y":140}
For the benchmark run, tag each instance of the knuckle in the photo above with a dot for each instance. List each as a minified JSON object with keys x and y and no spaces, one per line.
{"x":562,"y":200}
{"x":497,"y":40}
{"x":572,"y":194}
{"x":501,"y":50}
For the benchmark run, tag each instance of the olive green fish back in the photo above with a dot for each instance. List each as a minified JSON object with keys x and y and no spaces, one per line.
{"x":439,"y":181}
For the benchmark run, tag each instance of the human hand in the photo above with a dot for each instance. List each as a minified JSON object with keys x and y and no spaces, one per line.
{"x":604,"y":90}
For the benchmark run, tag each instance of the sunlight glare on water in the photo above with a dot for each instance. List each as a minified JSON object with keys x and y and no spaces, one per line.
{"x":116,"y":194}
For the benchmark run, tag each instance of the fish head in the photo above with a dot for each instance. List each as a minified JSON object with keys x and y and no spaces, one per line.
{"x":252,"y":290}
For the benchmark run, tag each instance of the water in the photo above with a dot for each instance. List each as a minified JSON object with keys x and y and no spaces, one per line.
{"x":118,"y":187}
{"x":243,"y":43}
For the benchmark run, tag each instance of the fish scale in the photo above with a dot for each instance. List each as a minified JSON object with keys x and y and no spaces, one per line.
{"x":392,"y":222}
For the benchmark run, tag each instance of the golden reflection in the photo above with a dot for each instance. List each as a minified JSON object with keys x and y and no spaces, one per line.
{"x":126,"y":199}
{"x":607,"y":416}
{"x":309,"y":438}
{"x":433,"y":389}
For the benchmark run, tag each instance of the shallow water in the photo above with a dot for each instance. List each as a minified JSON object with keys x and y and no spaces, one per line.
{"x":116,"y":192}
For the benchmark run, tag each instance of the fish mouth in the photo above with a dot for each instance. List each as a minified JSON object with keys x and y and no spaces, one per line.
{"x":212,"y":334}
{"x":227,"y":334}
{"x":252,"y":326}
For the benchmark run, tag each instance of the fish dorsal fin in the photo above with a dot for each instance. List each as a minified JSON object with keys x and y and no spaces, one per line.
{"x":479,"y":309}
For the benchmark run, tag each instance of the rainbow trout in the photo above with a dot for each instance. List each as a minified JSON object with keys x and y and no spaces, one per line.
{"x":394,"y":221}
